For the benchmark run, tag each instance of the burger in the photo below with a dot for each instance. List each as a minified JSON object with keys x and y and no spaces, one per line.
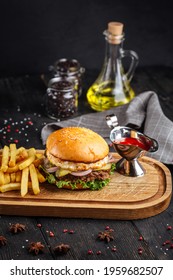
{"x":77,"y":158}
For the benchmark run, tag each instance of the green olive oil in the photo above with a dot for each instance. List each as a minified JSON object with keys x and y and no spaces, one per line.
{"x":105,"y":96}
{"x":112,"y":87}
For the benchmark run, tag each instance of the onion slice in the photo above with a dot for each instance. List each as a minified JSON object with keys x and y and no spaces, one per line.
{"x":52,"y":169}
{"x":81,"y":173}
{"x":111,"y":159}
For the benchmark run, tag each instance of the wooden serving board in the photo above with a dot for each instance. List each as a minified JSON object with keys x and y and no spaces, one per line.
{"x":125,"y":198}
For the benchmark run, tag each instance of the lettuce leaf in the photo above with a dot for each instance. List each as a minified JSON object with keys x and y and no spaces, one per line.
{"x":113,"y":168}
{"x":92,"y":185}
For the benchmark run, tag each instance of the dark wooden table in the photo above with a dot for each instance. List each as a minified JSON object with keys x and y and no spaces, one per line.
{"x":22,"y":113}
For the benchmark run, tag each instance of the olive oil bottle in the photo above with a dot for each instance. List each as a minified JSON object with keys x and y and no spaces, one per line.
{"x":112,"y":87}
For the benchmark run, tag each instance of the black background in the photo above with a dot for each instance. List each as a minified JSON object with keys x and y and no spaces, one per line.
{"x":34,"y":34}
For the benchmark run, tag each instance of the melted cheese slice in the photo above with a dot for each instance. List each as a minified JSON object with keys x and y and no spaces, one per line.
{"x":62,"y":172}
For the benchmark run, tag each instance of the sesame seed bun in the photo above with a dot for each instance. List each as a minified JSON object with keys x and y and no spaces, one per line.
{"x":77,"y":144}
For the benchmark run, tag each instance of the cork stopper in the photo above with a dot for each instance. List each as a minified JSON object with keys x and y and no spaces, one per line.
{"x":115,"y":30}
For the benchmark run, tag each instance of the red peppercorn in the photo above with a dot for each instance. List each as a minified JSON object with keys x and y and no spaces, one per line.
{"x":71,"y":231}
{"x":140,"y":250}
{"x":140,"y":238}
{"x":99,"y":252}
{"x":90,"y":252}
{"x":169,"y":227}
{"x":114,"y":249}
{"x":39,"y":225}
{"x":51,"y":234}
{"x":107,"y":227}
{"x":16,"y":141}
{"x":30,"y":122}
{"x":65,"y":230}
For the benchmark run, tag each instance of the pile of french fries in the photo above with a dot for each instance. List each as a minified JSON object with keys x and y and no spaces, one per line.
{"x":19,"y":169}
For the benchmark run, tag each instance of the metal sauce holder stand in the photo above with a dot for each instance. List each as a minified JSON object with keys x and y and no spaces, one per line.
{"x":130,"y":145}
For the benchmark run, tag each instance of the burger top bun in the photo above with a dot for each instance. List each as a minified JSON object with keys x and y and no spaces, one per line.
{"x":77,"y":144}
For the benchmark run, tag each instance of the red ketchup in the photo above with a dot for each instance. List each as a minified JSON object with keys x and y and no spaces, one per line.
{"x":143,"y":144}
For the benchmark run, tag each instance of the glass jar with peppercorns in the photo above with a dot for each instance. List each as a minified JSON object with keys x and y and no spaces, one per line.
{"x":69,"y":68}
{"x":61,"y":98}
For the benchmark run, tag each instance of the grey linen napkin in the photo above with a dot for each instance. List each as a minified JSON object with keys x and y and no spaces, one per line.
{"x":144,"y":113}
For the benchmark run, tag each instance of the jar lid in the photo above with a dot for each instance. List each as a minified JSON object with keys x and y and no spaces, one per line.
{"x":60,"y":83}
{"x":67,"y":66}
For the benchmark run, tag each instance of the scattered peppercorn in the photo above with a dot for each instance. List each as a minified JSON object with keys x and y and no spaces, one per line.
{"x":140,"y":250}
{"x":114,"y":249}
{"x":51,"y":234}
{"x":39,"y":225}
{"x":169,"y":227}
{"x":99,"y":252}
{"x":107,"y":227}
{"x":90,"y":252}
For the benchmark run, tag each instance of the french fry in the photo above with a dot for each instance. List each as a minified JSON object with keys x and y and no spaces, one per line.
{"x":22,"y":154}
{"x":6,"y":178}
{"x":13,"y":152}
{"x":19,"y":169}
{"x":29,"y":160}
{"x":2,"y":180}
{"x":34,"y":179}
{"x":10,"y":187}
{"x":39,"y":155}
{"x":31,"y":152}
{"x":24,"y":181}
{"x":13,"y":169}
{"x":13,"y":177}
{"x":5,"y":158}
{"x":41,"y":178}
{"x":20,"y":150}
{"x":37,"y":162}
{"x":18,"y":176}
